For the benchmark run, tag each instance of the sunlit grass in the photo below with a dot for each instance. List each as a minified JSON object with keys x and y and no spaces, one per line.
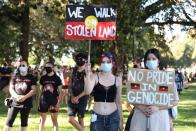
{"x":185,"y":122}
{"x":187,"y":110}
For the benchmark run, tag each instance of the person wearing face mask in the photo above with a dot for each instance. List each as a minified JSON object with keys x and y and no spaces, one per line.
{"x":106,"y":88}
{"x":22,"y":88}
{"x":77,"y":100}
{"x":156,"y":117}
{"x":49,"y":96}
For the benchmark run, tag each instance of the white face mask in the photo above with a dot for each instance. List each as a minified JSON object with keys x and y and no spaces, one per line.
{"x":152,"y":64}
{"x":23,"y":69}
{"x":106,"y":67}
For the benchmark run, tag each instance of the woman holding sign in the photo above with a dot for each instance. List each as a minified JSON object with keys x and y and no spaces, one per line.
{"x":150,"y":117}
{"x":106,"y":88}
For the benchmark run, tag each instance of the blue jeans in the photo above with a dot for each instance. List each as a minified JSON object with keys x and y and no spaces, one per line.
{"x":106,"y":122}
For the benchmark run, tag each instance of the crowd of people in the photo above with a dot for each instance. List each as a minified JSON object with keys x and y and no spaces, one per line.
{"x":75,"y":87}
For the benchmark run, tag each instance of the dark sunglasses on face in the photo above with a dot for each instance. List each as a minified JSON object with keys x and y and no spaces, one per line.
{"x":47,"y":67}
{"x":81,"y":59}
{"x":22,"y":65}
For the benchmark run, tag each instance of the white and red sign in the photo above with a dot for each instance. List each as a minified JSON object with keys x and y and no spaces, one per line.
{"x":151,"y":87}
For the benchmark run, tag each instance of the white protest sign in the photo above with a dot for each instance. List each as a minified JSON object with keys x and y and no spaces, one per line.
{"x":151,"y":87}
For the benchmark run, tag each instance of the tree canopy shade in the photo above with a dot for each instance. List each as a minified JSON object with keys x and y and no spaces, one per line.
{"x":37,"y":27}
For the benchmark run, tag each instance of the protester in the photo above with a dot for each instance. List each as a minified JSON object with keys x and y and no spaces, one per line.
{"x":156,"y":117}
{"x":179,"y":81}
{"x":186,"y":79}
{"x":49,"y":98}
{"x":22,"y":88}
{"x":66,"y":75}
{"x":190,"y":76}
{"x":5,"y":74}
{"x":77,"y":100}
{"x":106,"y":88}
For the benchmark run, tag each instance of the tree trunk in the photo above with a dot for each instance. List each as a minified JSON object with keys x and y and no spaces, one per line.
{"x":23,"y":44}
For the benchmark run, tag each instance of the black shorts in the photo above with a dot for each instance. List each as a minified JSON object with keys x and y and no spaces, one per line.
{"x":78,"y":109}
{"x":48,"y":104}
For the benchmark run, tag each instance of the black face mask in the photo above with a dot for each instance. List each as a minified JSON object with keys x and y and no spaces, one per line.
{"x":48,"y":70}
{"x":80,"y":62}
{"x":134,"y":66}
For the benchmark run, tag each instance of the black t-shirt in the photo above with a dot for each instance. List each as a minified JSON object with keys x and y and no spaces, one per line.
{"x":77,"y":86}
{"x":5,"y":71}
{"x":50,"y":85}
{"x":77,"y":82}
{"x":22,"y":86}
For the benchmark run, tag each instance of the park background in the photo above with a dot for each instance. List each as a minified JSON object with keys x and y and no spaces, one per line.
{"x":186,"y":120}
{"x":34,"y":31}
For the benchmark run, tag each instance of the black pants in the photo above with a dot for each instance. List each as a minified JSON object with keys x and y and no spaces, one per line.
{"x":12,"y":113}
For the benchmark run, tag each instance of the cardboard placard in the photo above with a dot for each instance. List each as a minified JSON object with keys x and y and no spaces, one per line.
{"x":151,"y":87}
{"x":90,"y":22}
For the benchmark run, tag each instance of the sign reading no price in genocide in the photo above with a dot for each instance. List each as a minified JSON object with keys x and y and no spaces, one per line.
{"x":90,"y":22}
{"x":151,"y":87}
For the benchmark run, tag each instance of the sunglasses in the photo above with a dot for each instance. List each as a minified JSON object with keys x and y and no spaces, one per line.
{"x":81,"y":59}
{"x":47,"y":67}
{"x":22,"y":65}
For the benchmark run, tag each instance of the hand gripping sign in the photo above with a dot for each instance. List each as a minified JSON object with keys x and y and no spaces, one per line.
{"x":151,"y":87}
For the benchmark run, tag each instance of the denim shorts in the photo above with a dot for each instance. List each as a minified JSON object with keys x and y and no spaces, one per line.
{"x":105,"y":122}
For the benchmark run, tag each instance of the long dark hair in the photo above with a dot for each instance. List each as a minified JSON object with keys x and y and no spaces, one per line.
{"x":155,"y":52}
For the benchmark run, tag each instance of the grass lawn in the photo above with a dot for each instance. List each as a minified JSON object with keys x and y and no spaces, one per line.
{"x":187,"y":110}
{"x":185,"y":122}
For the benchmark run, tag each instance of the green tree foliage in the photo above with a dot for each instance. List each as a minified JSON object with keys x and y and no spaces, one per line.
{"x":8,"y":39}
{"x":183,"y":50}
{"x":37,"y":26}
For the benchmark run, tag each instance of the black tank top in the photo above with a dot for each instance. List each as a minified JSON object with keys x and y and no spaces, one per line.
{"x":103,"y":95}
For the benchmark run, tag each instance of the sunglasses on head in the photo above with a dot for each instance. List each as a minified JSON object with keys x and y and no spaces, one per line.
{"x":109,"y":61}
{"x":108,"y":54}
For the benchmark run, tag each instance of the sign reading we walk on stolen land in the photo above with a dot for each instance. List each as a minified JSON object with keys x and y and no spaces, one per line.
{"x":151,"y":87}
{"x":90,"y":22}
